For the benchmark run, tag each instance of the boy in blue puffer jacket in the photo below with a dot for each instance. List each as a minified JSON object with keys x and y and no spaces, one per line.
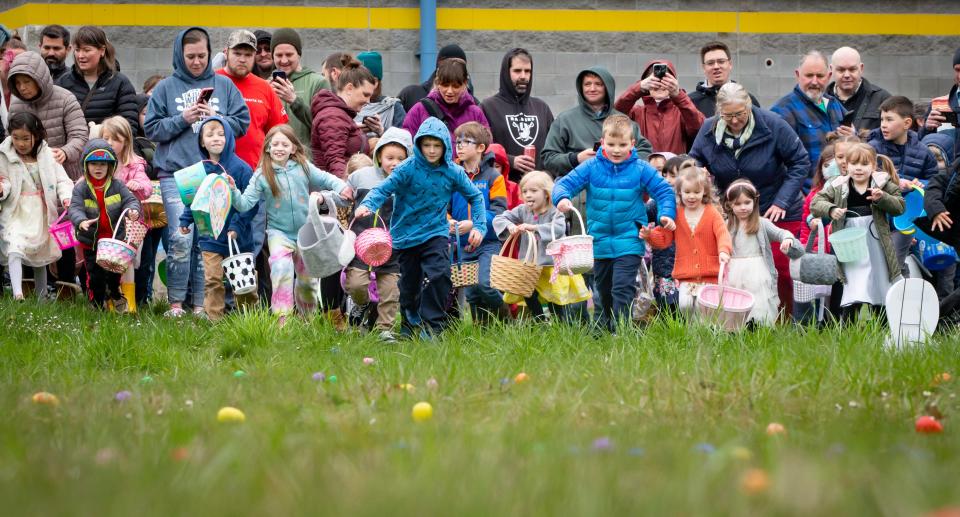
{"x":218,"y":145}
{"x":422,"y":186}
{"x":616,"y":181}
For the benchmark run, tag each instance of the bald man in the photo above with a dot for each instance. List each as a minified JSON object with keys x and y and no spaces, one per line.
{"x":854,"y":91}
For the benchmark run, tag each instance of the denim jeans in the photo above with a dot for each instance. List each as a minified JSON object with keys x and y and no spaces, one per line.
{"x":184,"y":265}
{"x":616,"y":280}
{"x":482,"y":296}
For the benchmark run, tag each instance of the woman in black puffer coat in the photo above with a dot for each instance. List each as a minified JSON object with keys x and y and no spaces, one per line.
{"x":95,"y":63}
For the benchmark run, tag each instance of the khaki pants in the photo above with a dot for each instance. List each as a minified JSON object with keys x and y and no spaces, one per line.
{"x":358,"y":281}
{"x":213,"y":290}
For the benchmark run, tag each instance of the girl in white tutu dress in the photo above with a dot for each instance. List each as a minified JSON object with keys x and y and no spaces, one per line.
{"x":751,"y":266}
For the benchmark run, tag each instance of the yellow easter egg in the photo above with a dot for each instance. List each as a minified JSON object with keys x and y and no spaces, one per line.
{"x":46,"y":399}
{"x":230,"y":414}
{"x":422,"y":411}
{"x":741,"y":454}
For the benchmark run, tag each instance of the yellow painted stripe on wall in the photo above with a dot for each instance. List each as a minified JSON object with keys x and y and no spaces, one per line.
{"x":540,"y":20}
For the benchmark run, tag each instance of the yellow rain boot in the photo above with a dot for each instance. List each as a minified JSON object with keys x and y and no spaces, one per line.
{"x":129,"y":291}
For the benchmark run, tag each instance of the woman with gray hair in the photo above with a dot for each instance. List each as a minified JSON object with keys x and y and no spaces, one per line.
{"x":744,"y":141}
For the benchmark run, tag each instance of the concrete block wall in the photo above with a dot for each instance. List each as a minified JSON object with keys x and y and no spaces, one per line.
{"x":919,"y":67}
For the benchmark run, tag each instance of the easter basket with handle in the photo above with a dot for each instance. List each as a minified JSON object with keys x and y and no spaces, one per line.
{"x":113,"y":254}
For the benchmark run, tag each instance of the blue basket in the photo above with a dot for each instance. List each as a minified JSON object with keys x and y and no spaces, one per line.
{"x":904,"y":222}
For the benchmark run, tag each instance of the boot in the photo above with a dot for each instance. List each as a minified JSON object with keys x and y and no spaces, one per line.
{"x":129,"y":290}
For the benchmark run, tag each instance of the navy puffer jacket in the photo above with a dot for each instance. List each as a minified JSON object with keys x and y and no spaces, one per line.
{"x":912,"y":160}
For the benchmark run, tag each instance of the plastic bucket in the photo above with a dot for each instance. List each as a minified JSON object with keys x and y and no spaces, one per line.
{"x":904,"y":222}
{"x":937,"y":256}
{"x":62,"y":233}
{"x":850,"y":244}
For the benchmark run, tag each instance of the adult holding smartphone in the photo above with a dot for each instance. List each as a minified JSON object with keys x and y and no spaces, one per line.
{"x":173,"y":121}
{"x":336,"y":137}
{"x":297,"y":85}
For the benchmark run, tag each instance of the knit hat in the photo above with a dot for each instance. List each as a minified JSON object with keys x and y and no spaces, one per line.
{"x":286,"y":36}
{"x":451,"y":50}
{"x":98,"y":150}
{"x":956,"y":57}
{"x":373,"y":61}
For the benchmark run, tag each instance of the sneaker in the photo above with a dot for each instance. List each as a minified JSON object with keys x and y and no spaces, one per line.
{"x":175,"y":312}
{"x":120,"y":305}
{"x":356,"y":314}
{"x":387,"y":337}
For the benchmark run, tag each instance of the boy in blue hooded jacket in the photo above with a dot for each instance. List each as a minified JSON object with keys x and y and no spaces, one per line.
{"x":422,"y":186}
{"x":616,"y":180}
{"x":218,"y":145}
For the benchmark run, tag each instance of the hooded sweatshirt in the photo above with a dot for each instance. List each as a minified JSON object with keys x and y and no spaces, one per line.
{"x":306,"y":84}
{"x":580,"y":128}
{"x":944,"y":142}
{"x":670,"y":125}
{"x":513,"y":189}
{"x":422,"y":192}
{"x":517,"y":119}
{"x":241,"y":174}
{"x":365,"y":179}
{"x":103,"y":201}
{"x":389,"y":109}
{"x":57,"y":109}
{"x":335,"y":136}
{"x":454,"y":115}
{"x":164,"y":124}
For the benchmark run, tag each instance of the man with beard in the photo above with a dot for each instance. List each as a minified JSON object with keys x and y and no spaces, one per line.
{"x":266,"y":110}
{"x":264,"y":58}
{"x":809,"y":110}
{"x":54,"y":47}
{"x":854,"y":91}
{"x":517,"y":119}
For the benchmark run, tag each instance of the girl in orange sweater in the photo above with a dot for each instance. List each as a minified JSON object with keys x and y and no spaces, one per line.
{"x":703,"y":242}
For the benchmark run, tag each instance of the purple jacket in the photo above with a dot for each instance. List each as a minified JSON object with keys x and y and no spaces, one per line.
{"x":454,"y":115}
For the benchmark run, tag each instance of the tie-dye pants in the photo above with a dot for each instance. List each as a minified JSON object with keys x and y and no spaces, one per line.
{"x":291,"y":285}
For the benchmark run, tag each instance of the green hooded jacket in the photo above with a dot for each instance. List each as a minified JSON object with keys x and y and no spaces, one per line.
{"x":307,"y":83}
{"x":580,"y":128}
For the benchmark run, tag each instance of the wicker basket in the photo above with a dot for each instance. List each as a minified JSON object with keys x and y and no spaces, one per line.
{"x":515,"y":276}
{"x":463,"y":274}
{"x":115,"y":255}
{"x":374,"y":245}
{"x":572,"y":255}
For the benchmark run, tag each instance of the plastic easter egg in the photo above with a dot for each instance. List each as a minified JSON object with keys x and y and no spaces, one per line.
{"x":432,"y":383}
{"x":755,"y":481}
{"x":741,"y":454}
{"x":230,"y":415}
{"x":406,"y":387}
{"x":332,"y":378}
{"x":928,"y":425}
{"x":122,"y":396}
{"x":368,"y":361}
{"x":239,"y":374}
{"x":319,"y":377}
{"x":146,"y":379}
{"x":521,"y":378}
{"x":45,"y":399}
{"x":775,"y":428}
{"x":422,"y":411}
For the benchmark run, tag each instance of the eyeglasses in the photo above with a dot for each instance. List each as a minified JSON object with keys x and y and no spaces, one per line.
{"x":714,"y":62}
{"x":465,"y":141}
{"x":740,"y":115}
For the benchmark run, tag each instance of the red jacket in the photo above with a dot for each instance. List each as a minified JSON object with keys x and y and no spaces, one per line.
{"x":671,"y":125}
{"x":513,"y":190}
{"x":334,"y":136}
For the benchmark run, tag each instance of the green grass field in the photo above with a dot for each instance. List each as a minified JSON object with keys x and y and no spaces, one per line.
{"x":666,"y":420}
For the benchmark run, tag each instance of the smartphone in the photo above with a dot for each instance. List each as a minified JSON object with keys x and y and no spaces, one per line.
{"x":660,"y":70}
{"x":205,"y":95}
{"x":279,"y":74}
{"x":596,"y":147}
{"x":951,"y":117}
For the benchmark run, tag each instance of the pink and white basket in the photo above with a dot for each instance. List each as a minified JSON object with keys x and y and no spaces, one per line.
{"x":374,"y":246}
{"x":572,"y":255}
{"x":115,"y":255}
{"x":63,"y":234}
{"x":726,"y":306}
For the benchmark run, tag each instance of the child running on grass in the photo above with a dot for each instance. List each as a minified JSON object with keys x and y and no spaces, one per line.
{"x":131,"y":170}
{"x":284,"y":181}
{"x":751,"y":266}
{"x":421,"y":187}
{"x":33,"y":188}
{"x":864,"y":198}
{"x":616,"y":181}
{"x":538,"y":215}
{"x":703,"y":241}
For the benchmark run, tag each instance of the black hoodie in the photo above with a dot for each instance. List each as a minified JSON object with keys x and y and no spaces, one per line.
{"x":517,"y":119}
